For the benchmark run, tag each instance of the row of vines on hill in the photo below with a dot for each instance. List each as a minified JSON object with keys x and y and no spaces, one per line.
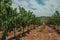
{"x":11,"y":19}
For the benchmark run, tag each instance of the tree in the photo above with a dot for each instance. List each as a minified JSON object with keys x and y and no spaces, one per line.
{"x":8,"y":18}
{"x":54,"y":19}
{"x":4,"y":5}
{"x":27,"y":18}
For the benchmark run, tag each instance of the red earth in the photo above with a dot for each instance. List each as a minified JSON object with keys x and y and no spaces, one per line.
{"x":42,"y":33}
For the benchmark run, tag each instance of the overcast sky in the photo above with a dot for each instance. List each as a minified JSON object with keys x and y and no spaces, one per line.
{"x":39,"y":7}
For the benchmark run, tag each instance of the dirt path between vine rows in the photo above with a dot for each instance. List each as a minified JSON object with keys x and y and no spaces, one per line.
{"x":42,"y":32}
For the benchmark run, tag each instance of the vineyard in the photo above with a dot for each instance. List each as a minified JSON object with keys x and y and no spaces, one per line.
{"x":17,"y":25}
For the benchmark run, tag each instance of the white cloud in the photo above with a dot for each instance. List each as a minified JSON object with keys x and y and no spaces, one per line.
{"x":41,"y":10}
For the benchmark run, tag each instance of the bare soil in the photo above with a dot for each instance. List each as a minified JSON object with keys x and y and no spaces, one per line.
{"x":42,"y":33}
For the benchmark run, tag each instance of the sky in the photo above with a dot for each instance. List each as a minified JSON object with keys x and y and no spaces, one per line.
{"x":39,"y":7}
